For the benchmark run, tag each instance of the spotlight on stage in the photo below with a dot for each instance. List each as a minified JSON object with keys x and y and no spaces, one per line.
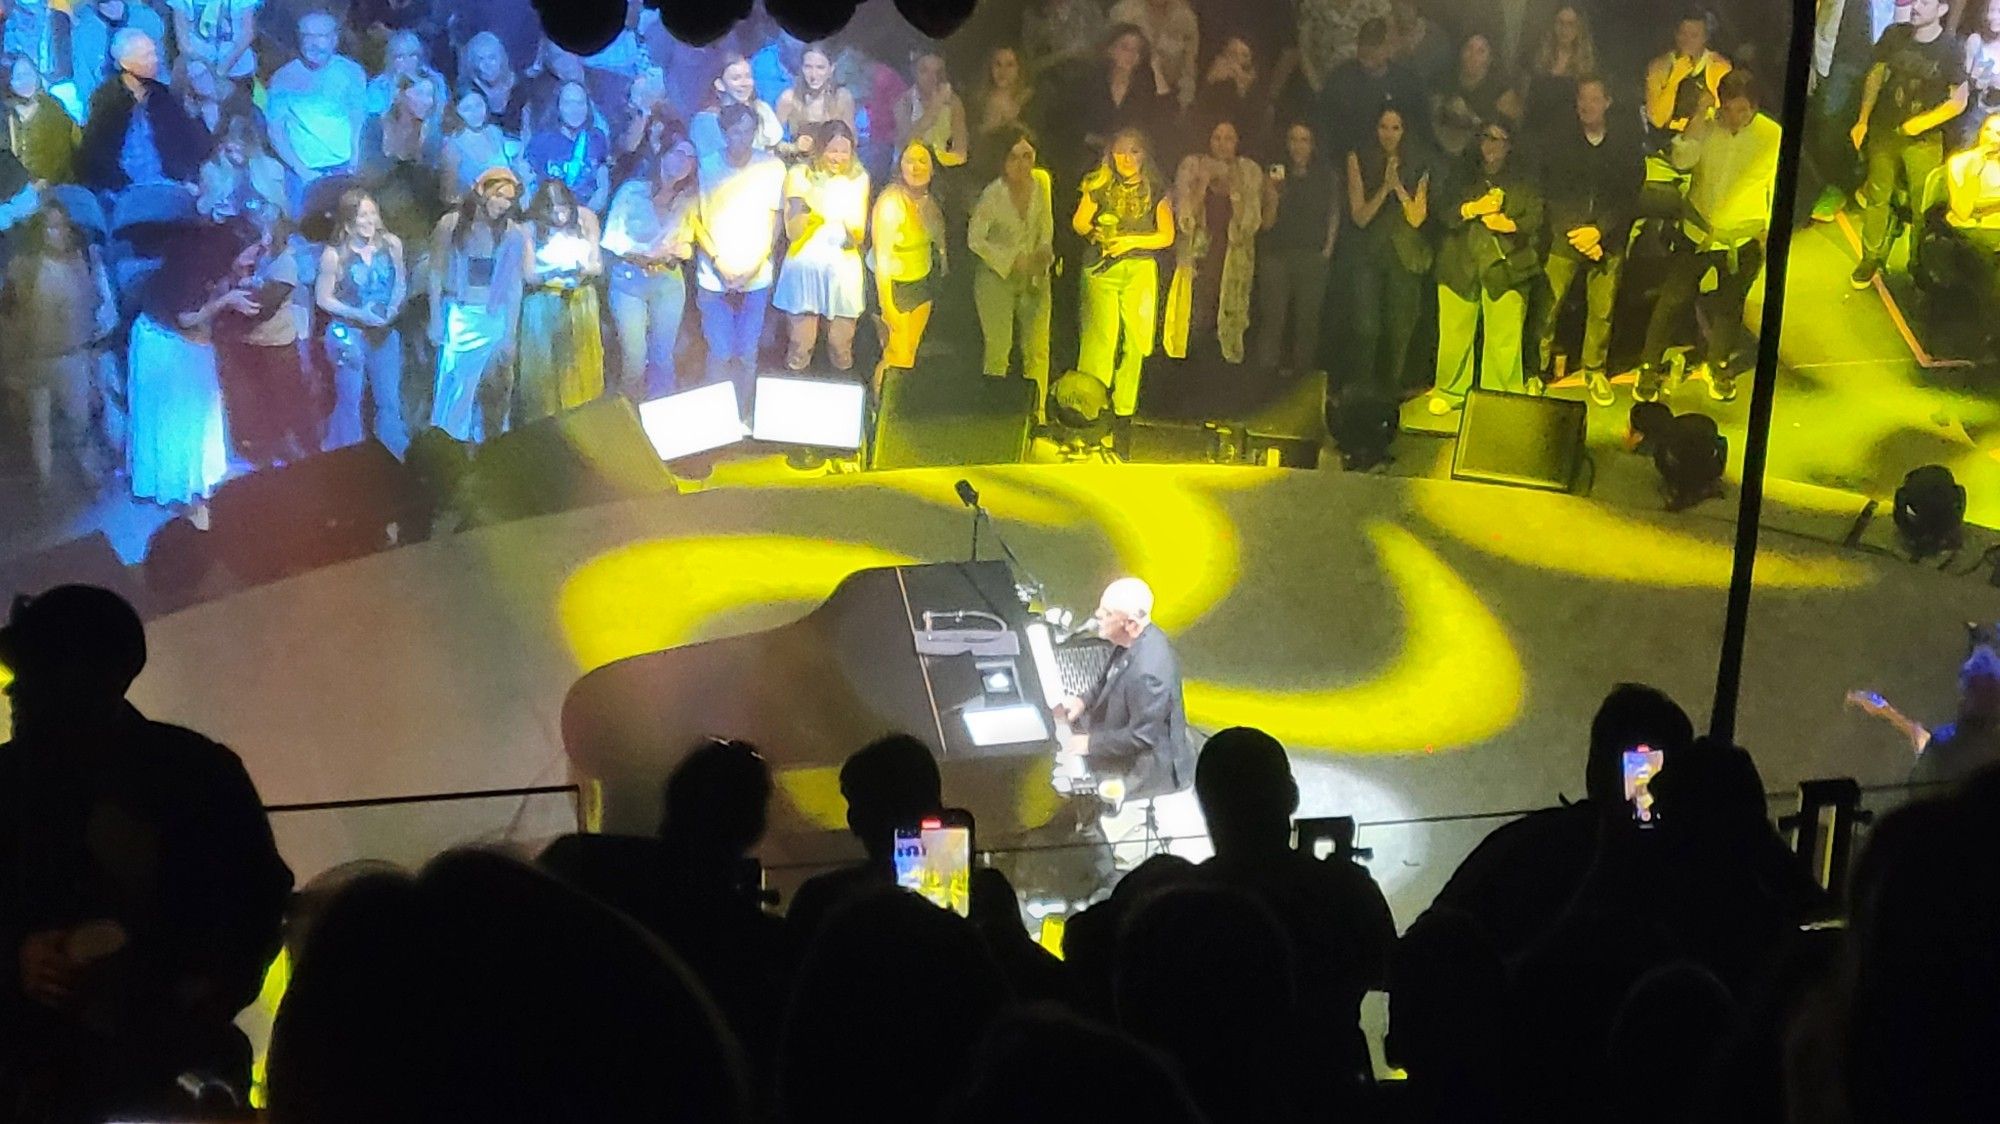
{"x":693,"y":422}
{"x":700,"y":22}
{"x":1689,"y":452}
{"x":936,"y":18}
{"x":1930,"y":511}
{"x":1079,"y":415}
{"x":582,"y":27}
{"x":811,"y":20}
{"x":814,"y":416}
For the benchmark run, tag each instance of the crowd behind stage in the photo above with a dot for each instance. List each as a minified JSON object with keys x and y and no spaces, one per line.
{"x":1577,"y":966}
{"x":243,"y":231}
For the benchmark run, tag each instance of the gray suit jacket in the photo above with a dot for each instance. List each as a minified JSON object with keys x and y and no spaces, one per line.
{"x":1137,"y":721}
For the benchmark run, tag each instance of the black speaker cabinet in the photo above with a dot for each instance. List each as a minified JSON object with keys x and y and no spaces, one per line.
{"x":596,"y":453}
{"x":1520,"y":439}
{"x":934,"y":418}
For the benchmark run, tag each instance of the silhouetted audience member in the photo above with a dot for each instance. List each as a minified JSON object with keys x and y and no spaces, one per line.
{"x":482,"y":990}
{"x":1447,"y":998}
{"x":1033,"y":972}
{"x":1519,"y":878}
{"x":1332,"y":911}
{"x":892,"y":996}
{"x":696,"y":887}
{"x":1206,"y":975}
{"x":891,"y":782}
{"x":1665,"y":1040}
{"x":1041,"y":1063}
{"x":143,"y":893}
{"x":1090,"y":940}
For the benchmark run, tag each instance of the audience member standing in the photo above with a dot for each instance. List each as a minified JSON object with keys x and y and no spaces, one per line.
{"x":1328,"y":32}
{"x":1915,"y":89}
{"x":813,"y":99}
{"x":1124,"y":95}
{"x":1591,"y":172}
{"x":735,"y":85}
{"x":257,"y":353}
{"x":932,"y":115}
{"x":571,"y":151}
{"x":823,"y":283}
{"x":484,"y":68}
{"x":562,"y":334}
{"x":177,"y":453}
{"x":1295,"y":255}
{"x":221,"y":33}
{"x":1012,"y":235}
{"x":1006,"y":97}
{"x":1175,"y":36}
{"x":317,"y":104}
{"x":1566,"y":55}
{"x":907,"y":248}
{"x":1055,"y":33}
{"x":1480,"y":91}
{"x":1732,"y":156}
{"x":1674,"y":79}
{"x":650,"y":237}
{"x":145,"y":893}
{"x":1361,"y":87}
{"x":95,"y":23}
{"x":58,"y":304}
{"x":138,"y":132}
{"x":473,"y":146}
{"x":1389,"y":188}
{"x":404,"y":59}
{"x":1127,"y":216}
{"x":1235,"y":90}
{"x":736,"y":228}
{"x":363,"y":283}
{"x":40,"y":132}
{"x":1220,"y":197}
{"x":241,"y":174}
{"x":478,"y":260}
{"x":1489,"y":261}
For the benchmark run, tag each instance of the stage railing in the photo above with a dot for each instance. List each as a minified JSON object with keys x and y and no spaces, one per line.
{"x":410,"y":829}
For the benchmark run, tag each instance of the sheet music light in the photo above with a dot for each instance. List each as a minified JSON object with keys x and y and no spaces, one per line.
{"x":815,"y":413}
{"x":693,"y":421}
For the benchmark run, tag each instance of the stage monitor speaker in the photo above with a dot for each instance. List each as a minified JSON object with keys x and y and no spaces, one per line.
{"x":596,"y":453}
{"x":330,"y":508}
{"x":1256,"y":419}
{"x":931,"y":418}
{"x":1520,"y":439}
{"x":90,"y":560}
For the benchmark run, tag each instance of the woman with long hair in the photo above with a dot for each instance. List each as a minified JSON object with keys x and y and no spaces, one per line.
{"x":1489,"y":260}
{"x":1567,"y":54}
{"x":650,"y":237}
{"x":1005,"y":95}
{"x":1126,"y":95}
{"x":823,"y":281}
{"x":1236,"y":90}
{"x":241,"y":173}
{"x":362,"y":287}
{"x":562,"y":334}
{"x":257,"y":350}
{"x":57,"y":305}
{"x":484,"y":68}
{"x":1220,"y":197}
{"x":478,"y":257}
{"x":1012,"y":235}
{"x":1127,"y":215}
{"x":930,"y":112}
{"x":907,"y":253}
{"x":735,"y":84}
{"x":1297,"y":249}
{"x":200,"y":93}
{"x":176,"y":450}
{"x":572,"y":150}
{"x":1388,"y":201}
{"x":814,"y":98}
{"x":40,"y":132}
{"x":473,"y":146}
{"x":1480,"y":90}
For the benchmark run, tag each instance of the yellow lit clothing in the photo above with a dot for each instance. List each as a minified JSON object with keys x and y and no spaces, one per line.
{"x":1000,"y":233}
{"x":906,"y":233}
{"x":1196,"y":182}
{"x":1734,"y":177}
{"x":1974,"y":179}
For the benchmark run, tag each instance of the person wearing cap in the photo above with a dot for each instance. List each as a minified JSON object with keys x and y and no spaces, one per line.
{"x":478,"y":256}
{"x":145,"y":894}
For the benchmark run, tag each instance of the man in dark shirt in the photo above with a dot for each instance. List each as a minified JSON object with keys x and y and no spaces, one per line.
{"x":892,"y":782}
{"x":1295,"y":254}
{"x":1916,"y":87}
{"x":141,"y":893}
{"x":1591,"y":173}
{"x":1358,"y":89}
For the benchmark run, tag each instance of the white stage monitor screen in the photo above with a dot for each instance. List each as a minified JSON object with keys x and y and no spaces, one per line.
{"x":693,"y":421}
{"x":819,"y":413}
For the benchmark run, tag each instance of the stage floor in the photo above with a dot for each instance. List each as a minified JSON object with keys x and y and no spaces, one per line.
{"x":1428,"y":651}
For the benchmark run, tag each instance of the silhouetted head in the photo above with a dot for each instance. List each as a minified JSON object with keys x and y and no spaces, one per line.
{"x":1091,"y":1071}
{"x":1675,"y":1017}
{"x":716,"y":799}
{"x":890,"y":783}
{"x":891,"y":997}
{"x":1631,"y":715}
{"x":483,"y":990}
{"x":1245,"y":786}
{"x":72,"y":653}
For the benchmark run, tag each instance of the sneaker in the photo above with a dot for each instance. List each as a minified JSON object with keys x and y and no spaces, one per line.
{"x":1828,"y":205}
{"x":1647,"y":387}
{"x":1722,"y":385}
{"x":1598,"y":388}
{"x":1440,"y":406}
{"x":1537,"y":385}
{"x":1864,"y":274}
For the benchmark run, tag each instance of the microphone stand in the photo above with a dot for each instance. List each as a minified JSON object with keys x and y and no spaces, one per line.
{"x":1027,"y":581}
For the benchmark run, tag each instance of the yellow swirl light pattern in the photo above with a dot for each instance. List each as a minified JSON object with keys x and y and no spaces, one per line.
{"x":1447,"y":631}
{"x":667,"y":592}
{"x":1529,"y":530}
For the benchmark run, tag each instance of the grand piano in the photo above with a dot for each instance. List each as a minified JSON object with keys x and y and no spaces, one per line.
{"x":944,"y":651}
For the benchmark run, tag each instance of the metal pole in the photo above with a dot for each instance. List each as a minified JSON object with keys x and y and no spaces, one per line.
{"x":1764,"y":386}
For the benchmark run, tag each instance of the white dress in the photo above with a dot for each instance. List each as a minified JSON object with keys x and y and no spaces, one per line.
{"x":177,"y":450}
{"x":824,"y":277}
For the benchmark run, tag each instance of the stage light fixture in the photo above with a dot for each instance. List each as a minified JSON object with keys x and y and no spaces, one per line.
{"x":1079,"y":413}
{"x":1930,"y":511}
{"x":582,"y":27}
{"x":694,"y":421}
{"x":936,"y":18}
{"x":1691,"y":456}
{"x":813,"y":413}
{"x":700,"y":22}
{"x":811,"y":20}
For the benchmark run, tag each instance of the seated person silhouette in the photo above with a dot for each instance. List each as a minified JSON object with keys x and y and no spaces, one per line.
{"x":889,"y":783}
{"x":144,"y":893}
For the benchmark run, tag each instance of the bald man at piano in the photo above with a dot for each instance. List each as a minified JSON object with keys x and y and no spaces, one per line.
{"x":1132,"y":726}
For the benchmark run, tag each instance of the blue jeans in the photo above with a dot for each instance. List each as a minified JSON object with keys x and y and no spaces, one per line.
{"x":370,"y":362}
{"x":731,"y":323}
{"x":646,"y":310}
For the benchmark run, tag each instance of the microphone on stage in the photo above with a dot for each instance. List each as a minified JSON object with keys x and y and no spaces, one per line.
{"x":967,"y":495}
{"x":1087,"y":627}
